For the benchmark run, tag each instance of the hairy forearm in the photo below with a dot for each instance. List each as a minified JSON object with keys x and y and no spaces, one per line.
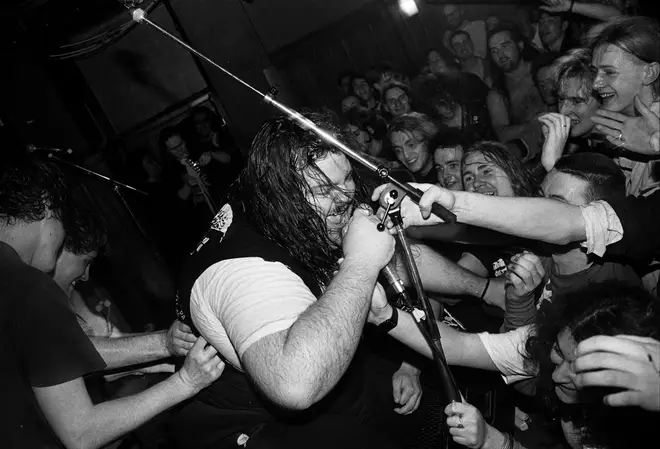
{"x":132,"y":350}
{"x":317,"y":349}
{"x":541,"y":219}
{"x":110,"y":420}
{"x":439,"y":274}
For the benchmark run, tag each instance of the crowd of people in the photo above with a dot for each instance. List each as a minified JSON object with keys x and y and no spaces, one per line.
{"x":540,"y":134}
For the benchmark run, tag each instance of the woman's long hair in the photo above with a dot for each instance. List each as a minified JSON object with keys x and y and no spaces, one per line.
{"x":274,"y":191}
{"x":608,"y":308}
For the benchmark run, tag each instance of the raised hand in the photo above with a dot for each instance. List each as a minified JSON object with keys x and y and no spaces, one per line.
{"x":640,"y":134}
{"x":201,"y":367}
{"x":179,"y":339}
{"x":556,"y":6}
{"x":364,"y":243}
{"x":205,"y":159}
{"x":556,"y":130}
{"x":406,"y":389}
{"x":625,"y":362}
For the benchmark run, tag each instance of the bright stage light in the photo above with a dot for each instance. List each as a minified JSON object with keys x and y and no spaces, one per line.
{"x":408,"y":7}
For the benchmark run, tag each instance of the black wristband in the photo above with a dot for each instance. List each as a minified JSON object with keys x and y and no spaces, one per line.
{"x":389,"y":323}
{"x":572,"y":4}
{"x":485,"y":289}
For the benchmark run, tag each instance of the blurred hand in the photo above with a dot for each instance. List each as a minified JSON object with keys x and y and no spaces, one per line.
{"x":466,"y":425}
{"x":626,"y":362}
{"x":411,"y":213}
{"x":640,"y":134}
{"x":524,"y":273}
{"x":556,"y":6}
{"x":364,"y":243}
{"x":179,"y":339}
{"x":205,"y":159}
{"x":406,"y":389}
{"x":556,"y":129}
{"x":201,"y":367}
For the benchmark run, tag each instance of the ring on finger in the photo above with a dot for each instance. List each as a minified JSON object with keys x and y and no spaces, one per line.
{"x":460,"y":422}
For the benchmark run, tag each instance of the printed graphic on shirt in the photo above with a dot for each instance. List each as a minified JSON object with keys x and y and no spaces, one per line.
{"x":221,"y":222}
{"x":546,"y":295}
{"x":499,"y":267}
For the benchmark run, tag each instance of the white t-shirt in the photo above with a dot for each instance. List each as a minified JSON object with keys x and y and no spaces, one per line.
{"x":507,"y":353}
{"x":237,"y":302}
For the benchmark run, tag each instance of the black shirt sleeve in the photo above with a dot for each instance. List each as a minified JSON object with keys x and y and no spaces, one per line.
{"x":640,"y":217}
{"x":52,"y":346}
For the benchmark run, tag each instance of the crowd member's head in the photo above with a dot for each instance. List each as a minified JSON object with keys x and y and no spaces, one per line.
{"x":432,"y":98}
{"x":552,"y":29}
{"x":344,"y":81}
{"x":453,"y":15}
{"x":506,"y":45}
{"x":544,"y":73}
{"x":610,"y":308}
{"x":448,"y":148}
{"x":203,"y":121}
{"x":574,"y":89}
{"x":83,"y":241}
{"x":171,"y":142}
{"x":410,"y":135}
{"x":461,"y":44}
{"x":368,"y":129}
{"x":490,"y":169}
{"x":34,"y":204}
{"x":440,"y":63}
{"x":349,"y":102}
{"x":626,"y":56}
{"x":396,"y":99}
{"x":383,"y":74}
{"x":581,"y":178}
{"x":492,"y":22}
{"x":299,"y":191}
{"x":362,"y":88}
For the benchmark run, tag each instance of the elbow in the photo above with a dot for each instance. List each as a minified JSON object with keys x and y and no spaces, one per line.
{"x":297,"y":397}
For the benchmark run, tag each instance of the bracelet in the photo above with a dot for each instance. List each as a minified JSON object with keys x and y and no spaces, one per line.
{"x":485,"y":289}
{"x":571,"y":7}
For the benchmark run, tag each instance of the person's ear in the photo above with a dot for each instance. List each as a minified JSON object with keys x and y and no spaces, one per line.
{"x":564,"y":25}
{"x":521,"y":45}
{"x":371,"y":130}
{"x":651,"y":73}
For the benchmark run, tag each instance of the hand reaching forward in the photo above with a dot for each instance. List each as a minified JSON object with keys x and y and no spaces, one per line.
{"x":406,"y":389}
{"x":466,"y":425}
{"x":626,"y":362}
{"x":179,"y":339}
{"x":201,"y":367}
{"x":556,"y":6}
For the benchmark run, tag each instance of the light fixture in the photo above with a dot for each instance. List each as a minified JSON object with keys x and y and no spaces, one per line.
{"x":408,"y":7}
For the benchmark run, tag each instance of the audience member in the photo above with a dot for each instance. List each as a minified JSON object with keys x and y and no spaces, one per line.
{"x":396,"y":99}
{"x":544,"y":74}
{"x":455,"y":17}
{"x":448,"y":148}
{"x":361,"y":88}
{"x":555,"y":33}
{"x":463,"y":48}
{"x":350,"y":102}
{"x":410,"y":135}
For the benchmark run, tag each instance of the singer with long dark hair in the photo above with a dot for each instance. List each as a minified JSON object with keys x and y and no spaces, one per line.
{"x":261,"y":286}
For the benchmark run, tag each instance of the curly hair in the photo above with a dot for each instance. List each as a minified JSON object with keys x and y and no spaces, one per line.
{"x":609,"y":308}
{"x":575,"y":65}
{"x":30,"y":187}
{"x":520,"y":176}
{"x":274,"y":191}
{"x":87,"y":230}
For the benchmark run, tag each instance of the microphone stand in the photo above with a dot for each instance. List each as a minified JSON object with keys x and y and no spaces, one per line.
{"x":116,"y":186}
{"x":425,"y":320}
{"x":140,"y":16}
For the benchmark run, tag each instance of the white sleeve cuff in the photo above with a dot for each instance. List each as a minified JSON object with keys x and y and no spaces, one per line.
{"x":602,"y":227}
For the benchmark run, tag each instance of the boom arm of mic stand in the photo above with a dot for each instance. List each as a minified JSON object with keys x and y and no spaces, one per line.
{"x":430,"y":330}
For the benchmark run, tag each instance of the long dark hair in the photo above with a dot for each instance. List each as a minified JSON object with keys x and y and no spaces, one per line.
{"x":274,"y":191}
{"x":608,"y":308}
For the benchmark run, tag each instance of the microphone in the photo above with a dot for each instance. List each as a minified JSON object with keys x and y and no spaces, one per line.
{"x":32,"y":148}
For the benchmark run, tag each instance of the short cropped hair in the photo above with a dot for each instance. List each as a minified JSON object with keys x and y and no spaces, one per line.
{"x":605,"y":179}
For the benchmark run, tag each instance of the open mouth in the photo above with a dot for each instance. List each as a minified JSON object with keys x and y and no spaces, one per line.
{"x":606,"y":96}
{"x":487,"y":192}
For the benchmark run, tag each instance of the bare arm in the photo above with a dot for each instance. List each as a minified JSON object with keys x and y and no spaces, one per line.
{"x":460,"y":348}
{"x":132,"y":350}
{"x":221,"y":156}
{"x":596,"y":11}
{"x":499,"y":118}
{"x":80,"y":424}
{"x":297,"y":367}
{"x":441,"y":275}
